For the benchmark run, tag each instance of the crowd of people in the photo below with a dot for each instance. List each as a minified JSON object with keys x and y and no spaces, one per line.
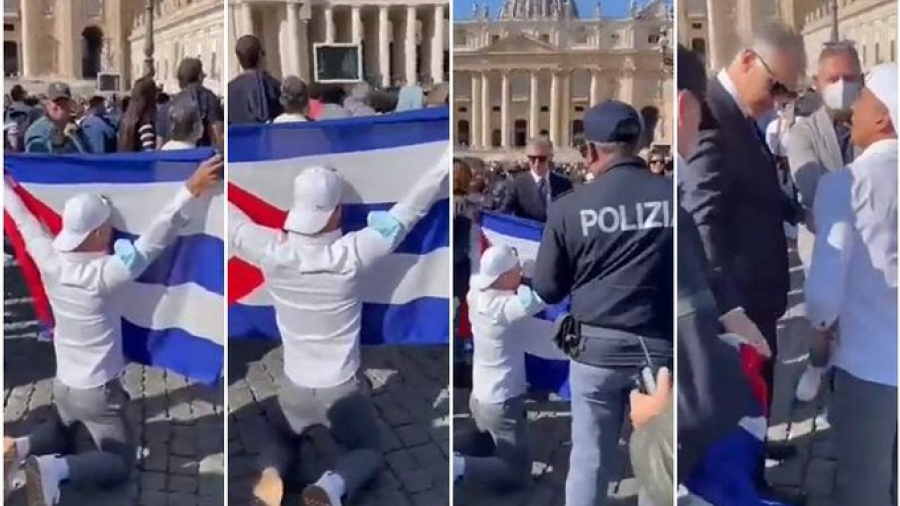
{"x":255,"y":96}
{"x":146,"y":119}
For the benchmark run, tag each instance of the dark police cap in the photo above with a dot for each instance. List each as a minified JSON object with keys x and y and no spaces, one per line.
{"x":612,"y":121}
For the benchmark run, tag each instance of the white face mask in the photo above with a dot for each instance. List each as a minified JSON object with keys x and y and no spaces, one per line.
{"x":839,"y":96}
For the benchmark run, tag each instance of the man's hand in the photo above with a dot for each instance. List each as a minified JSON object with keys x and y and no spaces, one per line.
{"x":737,"y":322}
{"x":207,"y":174}
{"x":645,"y":407}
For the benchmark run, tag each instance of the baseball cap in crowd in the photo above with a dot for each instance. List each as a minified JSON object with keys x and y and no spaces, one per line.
{"x":317,"y":193}
{"x":882,"y":82}
{"x":81,"y":215}
{"x":293,"y":90}
{"x":495,"y":262}
{"x":612,"y":121}
{"x":58,"y":90}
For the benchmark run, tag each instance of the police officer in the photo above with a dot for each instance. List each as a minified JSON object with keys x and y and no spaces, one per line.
{"x":609,"y":244}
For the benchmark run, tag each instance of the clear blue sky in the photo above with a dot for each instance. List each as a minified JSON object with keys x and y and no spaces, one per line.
{"x":462,"y":9}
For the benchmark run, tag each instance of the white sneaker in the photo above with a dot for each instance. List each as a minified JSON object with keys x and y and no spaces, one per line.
{"x":809,"y":384}
{"x":41,"y":483}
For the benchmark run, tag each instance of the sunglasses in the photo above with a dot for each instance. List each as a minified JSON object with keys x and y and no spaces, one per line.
{"x":655,"y":161}
{"x":777,"y":88}
{"x":538,"y":159}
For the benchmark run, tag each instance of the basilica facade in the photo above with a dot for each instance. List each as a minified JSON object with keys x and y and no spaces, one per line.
{"x":536,"y":67}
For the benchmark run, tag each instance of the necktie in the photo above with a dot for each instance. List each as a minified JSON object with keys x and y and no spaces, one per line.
{"x":544,"y":191}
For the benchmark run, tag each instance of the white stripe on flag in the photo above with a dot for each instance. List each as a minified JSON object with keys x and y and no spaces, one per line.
{"x":187,"y":307}
{"x":366,"y":173}
{"x":411,"y":276}
{"x":136,"y":205}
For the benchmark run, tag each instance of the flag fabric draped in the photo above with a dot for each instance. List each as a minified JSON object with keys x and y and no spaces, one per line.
{"x":406,"y":297}
{"x":525,"y":237}
{"x":173,"y":313}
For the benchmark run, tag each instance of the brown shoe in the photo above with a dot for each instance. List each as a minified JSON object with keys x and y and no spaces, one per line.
{"x":314,"y":495}
{"x":10,"y":464}
{"x":269,"y":490}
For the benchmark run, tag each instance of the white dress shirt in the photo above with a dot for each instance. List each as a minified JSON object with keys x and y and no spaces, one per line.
{"x":853,"y":276}
{"x":176,"y":145}
{"x":288,"y":117}
{"x":502,"y":332}
{"x":82,"y":291}
{"x":314,"y":282}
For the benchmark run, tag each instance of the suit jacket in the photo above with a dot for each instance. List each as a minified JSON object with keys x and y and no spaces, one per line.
{"x":731,"y":189}
{"x":813,"y":151}
{"x":523,"y":198}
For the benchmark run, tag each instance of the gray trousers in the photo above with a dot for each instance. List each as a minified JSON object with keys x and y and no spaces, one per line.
{"x":864,"y":416}
{"x":599,"y":403}
{"x":102,"y":411}
{"x":510,"y":465}
{"x":346,"y":410}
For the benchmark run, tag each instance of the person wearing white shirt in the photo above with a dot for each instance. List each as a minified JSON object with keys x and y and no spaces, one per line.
{"x":186,"y":124}
{"x":852,"y":288}
{"x":313,"y":272}
{"x":500,"y":307}
{"x":295,"y":100}
{"x":83,"y":281}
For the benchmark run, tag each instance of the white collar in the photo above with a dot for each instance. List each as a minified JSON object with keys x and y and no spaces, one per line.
{"x":879,"y":147}
{"x":537,"y":178}
{"x":314,"y":240}
{"x":175,"y":145}
{"x":728,"y":84}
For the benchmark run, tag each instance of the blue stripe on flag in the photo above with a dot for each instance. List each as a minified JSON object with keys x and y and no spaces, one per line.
{"x":421,"y":321}
{"x":431,"y":233}
{"x":253,"y":143}
{"x":194,"y":259}
{"x":174,"y":349}
{"x":512,"y":226}
{"x":123,"y":168}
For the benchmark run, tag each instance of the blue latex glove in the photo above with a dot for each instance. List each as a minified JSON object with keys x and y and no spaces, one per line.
{"x":386,"y":225}
{"x":125,"y":251}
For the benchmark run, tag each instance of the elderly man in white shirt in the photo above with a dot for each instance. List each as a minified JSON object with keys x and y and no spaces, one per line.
{"x":852,"y":285}
{"x":313,"y":272}
{"x":82,"y":281}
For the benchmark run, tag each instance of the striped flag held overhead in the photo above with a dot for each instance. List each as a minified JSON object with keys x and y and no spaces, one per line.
{"x":406,"y":297}
{"x":172,"y":316}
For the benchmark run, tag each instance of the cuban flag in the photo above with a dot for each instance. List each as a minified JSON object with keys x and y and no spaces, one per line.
{"x":406,"y":297}
{"x":525,"y":236}
{"x":173,"y":314}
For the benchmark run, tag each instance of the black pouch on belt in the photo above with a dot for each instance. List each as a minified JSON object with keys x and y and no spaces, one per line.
{"x":568,"y":336}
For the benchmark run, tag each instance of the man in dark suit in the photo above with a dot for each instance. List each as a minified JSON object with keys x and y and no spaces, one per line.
{"x":529,"y":194}
{"x":731,"y":188}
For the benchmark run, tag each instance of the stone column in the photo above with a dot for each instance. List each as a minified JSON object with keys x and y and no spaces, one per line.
{"x":437,"y":45}
{"x":329,"y":24}
{"x":69,"y":17}
{"x":554,"y":109}
{"x":410,"y":45}
{"x":30,"y":18}
{"x":475,"y":112}
{"x":384,"y":45}
{"x":486,"y":110}
{"x":595,"y":92}
{"x":534,"y":108}
{"x":305,"y":65}
{"x":565,"y":117}
{"x":505,"y":113}
{"x":293,"y":38}
{"x":246,"y":25}
{"x":356,"y":27}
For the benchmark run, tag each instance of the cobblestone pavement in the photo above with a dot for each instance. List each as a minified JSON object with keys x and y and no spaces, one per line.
{"x":813,"y":470}
{"x":179,"y":424}
{"x":409,"y":386}
{"x":550,"y":444}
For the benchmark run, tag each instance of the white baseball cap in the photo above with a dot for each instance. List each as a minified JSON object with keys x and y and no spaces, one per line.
{"x":495,"y":262}
{"x":882,"y":82}
{"x":81,"y":215}
{"x":317,"y":193}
